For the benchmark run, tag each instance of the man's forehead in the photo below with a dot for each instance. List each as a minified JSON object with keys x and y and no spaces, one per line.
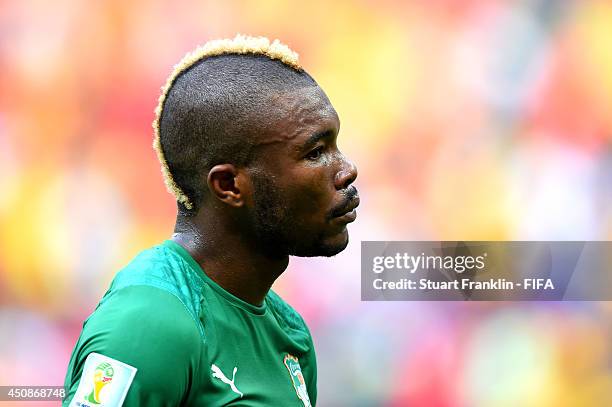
{"x":297,"y":111}
{"x":306,"y":101}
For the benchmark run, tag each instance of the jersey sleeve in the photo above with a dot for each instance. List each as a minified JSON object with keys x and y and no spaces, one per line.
{"x":143,"y":327}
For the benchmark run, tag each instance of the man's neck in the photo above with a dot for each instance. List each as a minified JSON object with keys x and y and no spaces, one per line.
{"x":229,"y":260}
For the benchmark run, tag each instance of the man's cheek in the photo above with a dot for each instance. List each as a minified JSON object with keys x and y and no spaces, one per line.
{"x":316,"y":200}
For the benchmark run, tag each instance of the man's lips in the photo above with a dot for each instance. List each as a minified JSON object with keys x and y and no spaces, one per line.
{"x":347,"y":213}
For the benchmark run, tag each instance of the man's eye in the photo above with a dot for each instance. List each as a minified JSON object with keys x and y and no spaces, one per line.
{"x":315,"y":154}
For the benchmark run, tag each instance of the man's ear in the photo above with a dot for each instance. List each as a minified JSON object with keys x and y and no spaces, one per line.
{"x":227,"y":184}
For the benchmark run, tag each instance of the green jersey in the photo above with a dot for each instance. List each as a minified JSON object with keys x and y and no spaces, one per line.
{"x":165,"y":334}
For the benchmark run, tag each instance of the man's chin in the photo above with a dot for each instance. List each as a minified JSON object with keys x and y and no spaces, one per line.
{"x":326,"y":247}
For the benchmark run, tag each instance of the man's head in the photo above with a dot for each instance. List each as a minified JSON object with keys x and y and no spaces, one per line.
{"x":244,"y":133}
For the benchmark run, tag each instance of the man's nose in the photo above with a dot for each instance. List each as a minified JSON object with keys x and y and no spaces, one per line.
{"x":346,"y":175}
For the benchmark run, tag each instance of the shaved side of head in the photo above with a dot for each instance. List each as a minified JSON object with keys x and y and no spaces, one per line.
{"x":212,"y":113}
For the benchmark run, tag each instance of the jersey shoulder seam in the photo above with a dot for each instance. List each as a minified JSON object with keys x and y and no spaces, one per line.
{"x":163,"y":286}
{"x":287,"y":315}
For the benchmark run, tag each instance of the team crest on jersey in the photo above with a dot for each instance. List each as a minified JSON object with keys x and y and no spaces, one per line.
{"x":297,"y":378}
{"x":104,"y":382}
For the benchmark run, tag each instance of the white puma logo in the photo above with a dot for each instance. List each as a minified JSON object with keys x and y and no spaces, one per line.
{"x":219,"y":375}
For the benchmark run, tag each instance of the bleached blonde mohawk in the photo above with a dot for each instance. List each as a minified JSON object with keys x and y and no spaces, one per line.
{"x":241,"y":44}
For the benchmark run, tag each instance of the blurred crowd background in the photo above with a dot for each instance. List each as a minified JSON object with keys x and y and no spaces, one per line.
{"x":468,"y":120}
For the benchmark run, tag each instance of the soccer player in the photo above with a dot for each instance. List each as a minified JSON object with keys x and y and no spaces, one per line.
{"x":247,"y":144}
